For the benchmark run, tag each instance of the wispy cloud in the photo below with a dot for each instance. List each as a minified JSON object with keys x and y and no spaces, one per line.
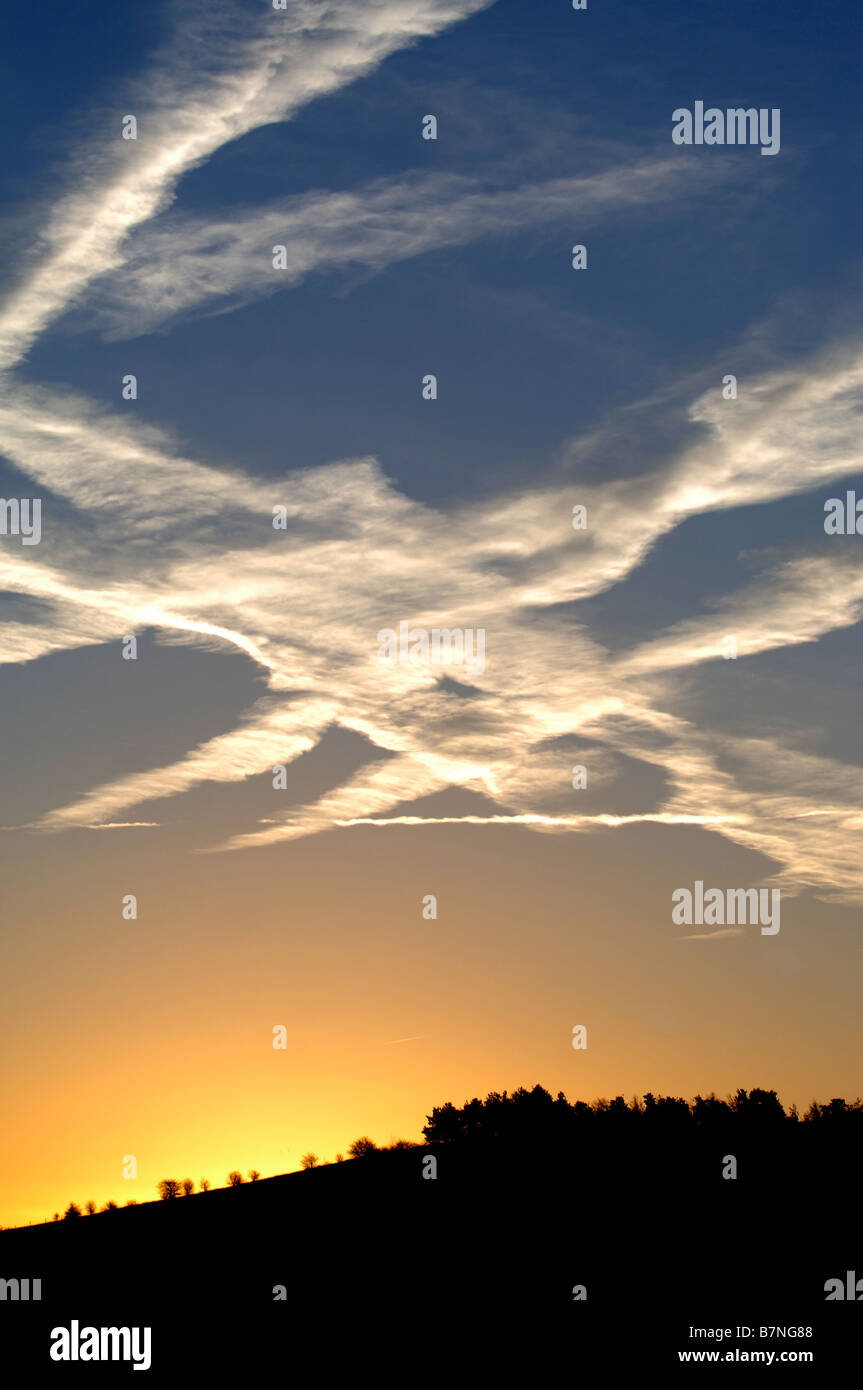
{"x":226,"y":70}
{"x":126,"y":825}
{"x":721,"y":935}
{"x":139,"y":536}
{"x":359,"y":556}
{"x":564,"y":822}
{"x":184,"y":265}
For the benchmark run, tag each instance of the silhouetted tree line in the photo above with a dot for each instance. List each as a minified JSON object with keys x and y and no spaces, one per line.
{"x":537,"y":1123}
{"x":530,"y":1116}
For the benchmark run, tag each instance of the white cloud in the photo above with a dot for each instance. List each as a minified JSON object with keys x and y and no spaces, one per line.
{"x":226,"y":70}
{"x":137,"y":535}
{"x":182,"y":264}
{"x":360,"y":556}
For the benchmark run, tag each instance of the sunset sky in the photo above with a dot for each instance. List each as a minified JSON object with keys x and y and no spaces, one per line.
{"x":301,"y":388}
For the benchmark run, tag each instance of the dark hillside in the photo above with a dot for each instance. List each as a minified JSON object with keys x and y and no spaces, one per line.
{"x":371,"y":1253}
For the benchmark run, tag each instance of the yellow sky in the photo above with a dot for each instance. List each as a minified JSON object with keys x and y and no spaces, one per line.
{"x":154,"y":1038}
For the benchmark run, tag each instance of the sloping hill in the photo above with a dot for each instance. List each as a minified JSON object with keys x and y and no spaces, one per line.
{"x":370,"y":1253}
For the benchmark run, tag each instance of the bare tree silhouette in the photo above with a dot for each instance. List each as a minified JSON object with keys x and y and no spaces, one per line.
{"x":234,"y":1178}
{"x":253,"y":1175}
{"x":309,"y":1160}
{"x":188,"y":1187}
{"x":360,"y":1147}
{"x":168,"y":1188}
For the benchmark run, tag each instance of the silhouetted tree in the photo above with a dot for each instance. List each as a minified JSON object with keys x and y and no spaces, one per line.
{"x":90,"y":1208}
{"x":759,"y":1107}
{"x":132,"y":1202}
{"x":444,"y":1124}
{"x":532,"y":1122}
{"x":837,"y":1112}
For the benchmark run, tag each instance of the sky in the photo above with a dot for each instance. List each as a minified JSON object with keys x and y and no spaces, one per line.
{"x":282,"y":490}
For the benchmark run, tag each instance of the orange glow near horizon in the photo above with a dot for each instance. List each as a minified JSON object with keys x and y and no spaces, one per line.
{"x":155,"y":1036}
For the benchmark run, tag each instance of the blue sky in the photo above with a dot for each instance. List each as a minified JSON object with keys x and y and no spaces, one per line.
{"x":527,"y":353}
{"x":453,"y":256}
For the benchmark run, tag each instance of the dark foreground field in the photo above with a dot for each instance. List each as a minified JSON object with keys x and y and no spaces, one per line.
{"x":391,"y":1276}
